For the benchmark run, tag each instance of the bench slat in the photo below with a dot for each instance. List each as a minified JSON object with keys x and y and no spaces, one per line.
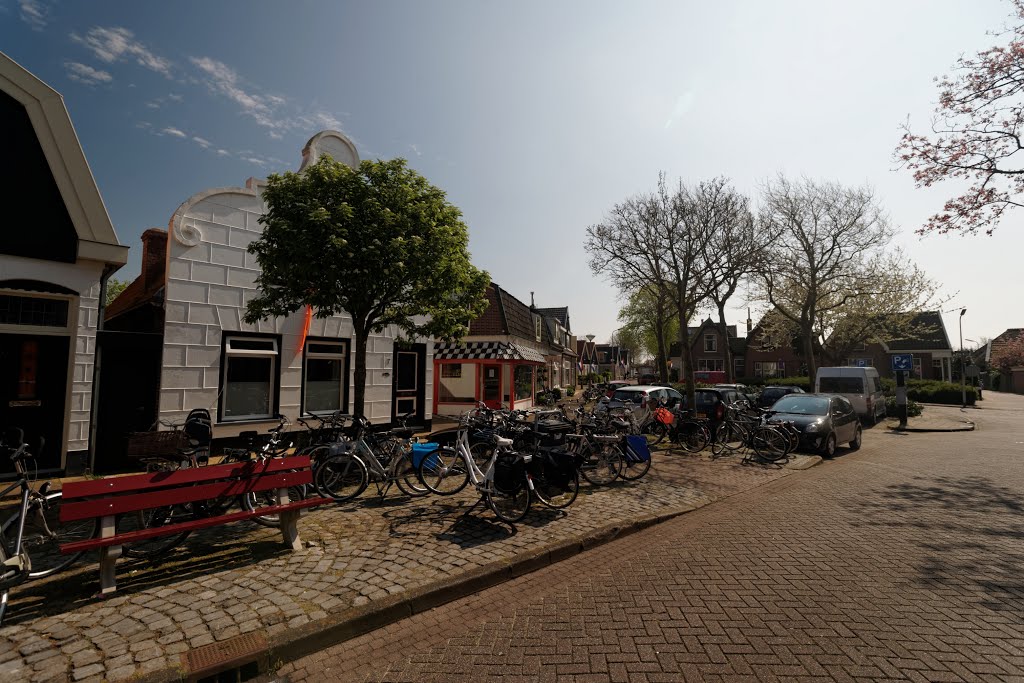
{"x":191,"y":525}
{"x":194,"y":475}
{"x":132,"y":502}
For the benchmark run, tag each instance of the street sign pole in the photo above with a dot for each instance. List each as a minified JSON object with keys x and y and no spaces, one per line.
{"x":901,"y":398}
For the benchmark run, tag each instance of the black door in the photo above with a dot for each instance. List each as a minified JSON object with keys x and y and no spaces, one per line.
{"x":408,"y":394}
{"x":33,"y":394}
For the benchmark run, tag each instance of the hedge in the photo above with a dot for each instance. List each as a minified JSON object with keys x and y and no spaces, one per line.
{"x":913,"y":407}
{"x":932,"y":391}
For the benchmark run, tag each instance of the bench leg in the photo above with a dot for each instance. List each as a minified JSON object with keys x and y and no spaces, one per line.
{"x":108,"y":559}
{"x":289,"y":522}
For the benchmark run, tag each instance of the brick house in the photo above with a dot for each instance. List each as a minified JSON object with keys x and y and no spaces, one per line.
{"x":561,"y":354}
{"x":1012,"y":381}
{"x":613,"y":359}
{"x":932,"y":352}
{"x":708,"y":350}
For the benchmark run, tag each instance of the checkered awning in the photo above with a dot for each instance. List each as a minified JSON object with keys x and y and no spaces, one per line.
{"x":499,"y":351}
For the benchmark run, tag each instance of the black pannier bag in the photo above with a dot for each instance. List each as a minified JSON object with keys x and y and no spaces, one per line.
{"x":552,"y":433}
{"x":554,"y":468}
{"x":509,"y":473}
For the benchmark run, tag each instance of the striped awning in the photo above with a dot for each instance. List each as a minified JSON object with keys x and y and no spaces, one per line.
{"x":476,"y":350}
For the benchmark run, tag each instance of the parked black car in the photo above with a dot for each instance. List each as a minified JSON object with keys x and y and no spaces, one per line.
{"x":769,"y":395}
{"x":824,"y":421}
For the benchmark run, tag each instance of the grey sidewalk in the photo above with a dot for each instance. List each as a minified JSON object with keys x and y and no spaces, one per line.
{"x":236,"y":589}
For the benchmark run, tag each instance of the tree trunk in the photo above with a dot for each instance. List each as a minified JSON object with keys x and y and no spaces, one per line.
{"x":808,"y":335}
{"x":723,"y":330}
{"x":662,"y":356}
{"x":686,"y":357}
{"x":359,"y":377}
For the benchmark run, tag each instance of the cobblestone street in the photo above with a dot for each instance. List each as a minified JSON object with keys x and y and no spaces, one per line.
{"x":238,"y":580}
{"x":898,"y":562}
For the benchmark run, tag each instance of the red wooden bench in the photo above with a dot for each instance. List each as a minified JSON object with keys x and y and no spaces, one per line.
{"x":105,"y":499}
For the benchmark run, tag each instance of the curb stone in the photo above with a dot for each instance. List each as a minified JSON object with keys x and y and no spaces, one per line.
{"x":355,"y":621}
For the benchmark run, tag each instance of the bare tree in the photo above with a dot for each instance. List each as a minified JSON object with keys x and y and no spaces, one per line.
{"x":826,"y":256}
{"x":731,"y":253}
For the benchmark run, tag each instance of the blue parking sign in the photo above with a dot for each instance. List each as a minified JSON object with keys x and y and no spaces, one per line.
{"x":902,"y":361}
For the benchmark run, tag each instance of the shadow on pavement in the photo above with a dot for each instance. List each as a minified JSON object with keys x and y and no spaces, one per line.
{"x":970,"y":531}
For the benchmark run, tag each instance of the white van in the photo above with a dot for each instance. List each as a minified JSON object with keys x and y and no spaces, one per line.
{"x":861,"y":386}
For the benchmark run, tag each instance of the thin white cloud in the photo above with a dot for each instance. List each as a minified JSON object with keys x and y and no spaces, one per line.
{"x":114,"y":44}
{"x":34,"y":13}
{"x":170,"y":130}
{"x":223,"y":153}
{"x":159,"y":102}
{"x":202,"y":142}
{"x":273,"y":112}
{"x":415,"y":149}
{"x":85,"y":74}
{"x":683,"y":104}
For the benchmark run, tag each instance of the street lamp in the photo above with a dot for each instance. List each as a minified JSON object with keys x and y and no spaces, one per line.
{"x":963,"y":387}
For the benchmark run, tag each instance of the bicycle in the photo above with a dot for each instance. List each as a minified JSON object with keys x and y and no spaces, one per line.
{"x":766,"y":442}
{"x":504,"y":485}
{"x":688,"y":431}
{"x":344,"y":470}
{"x":38,"y":531}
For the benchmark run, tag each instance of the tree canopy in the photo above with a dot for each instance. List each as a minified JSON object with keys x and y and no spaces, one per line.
{"x":377,"y":242}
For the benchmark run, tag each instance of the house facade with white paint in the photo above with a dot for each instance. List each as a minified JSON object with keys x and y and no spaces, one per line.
{"x":246,"y":374}
{"x":58,"y":249}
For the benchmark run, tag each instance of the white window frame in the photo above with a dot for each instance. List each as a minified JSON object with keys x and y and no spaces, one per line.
{"x":342,"y":356}
{"x":713,"y":338}
{"x":274,"y":355}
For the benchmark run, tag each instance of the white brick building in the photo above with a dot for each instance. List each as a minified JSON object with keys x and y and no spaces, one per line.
{"x":245,"y":374}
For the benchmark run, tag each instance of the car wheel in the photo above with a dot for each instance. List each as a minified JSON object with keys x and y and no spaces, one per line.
{"x":855,"y":444}
{"x":829,"y":449}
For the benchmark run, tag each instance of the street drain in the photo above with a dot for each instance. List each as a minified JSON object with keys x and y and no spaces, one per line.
{"x":229,"y":657}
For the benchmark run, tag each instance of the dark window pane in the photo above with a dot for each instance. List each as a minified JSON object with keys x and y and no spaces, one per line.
{"x":325,"y":348}
{"x":323,"y":384}
{"x":405,"y":373}
{"x":251,"y":344}
{"x":27,"y":310}
{"x":249,"y":381}
{"x":841,"y":385}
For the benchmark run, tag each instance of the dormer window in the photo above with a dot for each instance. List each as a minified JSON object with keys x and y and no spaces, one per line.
{"x":536,"y":326}
{"x":711,"y":342}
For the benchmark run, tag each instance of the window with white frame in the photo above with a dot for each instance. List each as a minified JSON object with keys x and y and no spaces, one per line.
{"x":711,"y":342}
{"x":917,"y":367}
{"x":249,"y":377}
{"x":710,"y":365}
{"x":536,"y":326}
{"x":769,"y":369}
{"x":325,"y":376}
{"x":739,"y":366}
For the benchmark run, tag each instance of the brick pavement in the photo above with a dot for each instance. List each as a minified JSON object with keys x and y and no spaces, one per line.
{"x":899,"y":562}
{"x":237,"y":580}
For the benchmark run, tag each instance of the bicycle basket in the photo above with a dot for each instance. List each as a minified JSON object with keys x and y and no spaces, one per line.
{"x":637,"y":449}
{"x":552,"y":433}
{"x":156,"y":444}
{"x":663,"y":415}
{"x":509,"y":473}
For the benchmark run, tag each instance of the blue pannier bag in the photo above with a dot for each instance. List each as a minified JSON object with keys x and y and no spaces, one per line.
{"x":637,"y":449}
{"x":420,"y":450}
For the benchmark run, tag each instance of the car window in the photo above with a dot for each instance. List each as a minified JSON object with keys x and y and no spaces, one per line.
{"x":624,"y":395}
{"x":673,"y":395}
{"x":802,"y":405}
{"x":845,"y":404}
{"x":841,"y":385}
{"x":877,"y":383}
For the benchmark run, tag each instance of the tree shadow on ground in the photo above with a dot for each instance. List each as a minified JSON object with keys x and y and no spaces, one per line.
{"x":462,"y":522}
{"x":968,"y":531}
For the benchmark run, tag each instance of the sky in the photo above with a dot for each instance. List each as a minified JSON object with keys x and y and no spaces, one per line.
{"x":534,"y":117}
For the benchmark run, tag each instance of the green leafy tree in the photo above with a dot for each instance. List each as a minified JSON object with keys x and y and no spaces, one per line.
{"x":648,"y":321}
{"x":377,"y":242}
{"x":114,"y":289}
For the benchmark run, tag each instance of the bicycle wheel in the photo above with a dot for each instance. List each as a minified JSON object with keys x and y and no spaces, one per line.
{"x":152,"y":519}
{"x":444,"y":472}
{"x":693,"y":437}
{"x":556,"y":496}
{"x":259,"y":499}
{"x":407,"y":478}
{"x":45,"y":533}
{"x":635,"y":469}
{"x":341,"y":477}
{"x":729,"y":437}
{"x":655,"y":432}
{"x":769,"y":444}
{"x":509,"y":506}
{"x":604,"y":466}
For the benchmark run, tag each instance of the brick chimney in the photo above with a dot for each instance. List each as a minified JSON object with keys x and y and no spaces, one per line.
{"x":154,"y":259}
